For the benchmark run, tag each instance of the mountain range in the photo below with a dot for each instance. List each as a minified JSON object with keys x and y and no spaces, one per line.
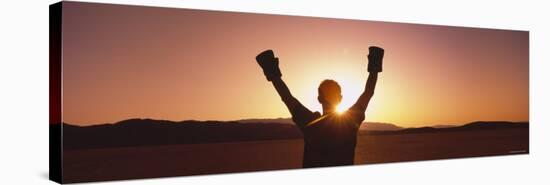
{"x":146,"y":132}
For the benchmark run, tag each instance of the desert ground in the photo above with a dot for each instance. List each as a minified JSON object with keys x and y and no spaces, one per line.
{"x":196,"y":159}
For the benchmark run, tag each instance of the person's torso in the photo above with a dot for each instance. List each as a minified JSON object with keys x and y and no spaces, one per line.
{"x":330,"y":141}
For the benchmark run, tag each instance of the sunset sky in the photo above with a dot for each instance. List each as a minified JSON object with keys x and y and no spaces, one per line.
{"x":122,"y":62}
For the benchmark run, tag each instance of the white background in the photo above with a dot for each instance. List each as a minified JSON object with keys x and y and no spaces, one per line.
{"x":24,"y":92}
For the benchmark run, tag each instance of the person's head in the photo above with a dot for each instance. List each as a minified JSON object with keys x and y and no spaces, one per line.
{"x":330,"y":94}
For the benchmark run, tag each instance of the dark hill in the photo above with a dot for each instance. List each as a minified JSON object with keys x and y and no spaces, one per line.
{"x":141,"y":132}
{"x":275,"y":120}
{"x":146,"y":132}
{"x":478,"y":125}
{"x":374,"y":126}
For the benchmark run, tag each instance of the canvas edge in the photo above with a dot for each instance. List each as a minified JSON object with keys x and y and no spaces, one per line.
{"x":55,"y":130}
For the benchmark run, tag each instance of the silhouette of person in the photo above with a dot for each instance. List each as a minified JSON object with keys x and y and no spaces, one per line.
{"x":330,"y":138}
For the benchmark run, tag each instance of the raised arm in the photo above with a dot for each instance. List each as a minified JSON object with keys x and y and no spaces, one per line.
{"x":367,"y":94}
{"x":375,"y":66}
{"x":284,"y":93}
{"x":270,"y":66}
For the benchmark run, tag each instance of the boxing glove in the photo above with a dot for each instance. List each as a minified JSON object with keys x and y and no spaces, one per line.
{"x":375,"y":59}
{"x":269,"y":64}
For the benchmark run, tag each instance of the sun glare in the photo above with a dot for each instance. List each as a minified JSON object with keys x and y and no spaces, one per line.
{"x":340,"y":109}
{"x":351,"y":89}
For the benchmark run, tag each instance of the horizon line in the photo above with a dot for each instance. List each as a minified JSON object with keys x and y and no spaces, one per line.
{"x":289,"y":118}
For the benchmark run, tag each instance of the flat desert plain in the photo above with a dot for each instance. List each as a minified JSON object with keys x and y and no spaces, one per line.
{"x":212,"y":158}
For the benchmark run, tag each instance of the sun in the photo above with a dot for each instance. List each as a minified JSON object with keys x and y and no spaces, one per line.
{"x":340,"y":109}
